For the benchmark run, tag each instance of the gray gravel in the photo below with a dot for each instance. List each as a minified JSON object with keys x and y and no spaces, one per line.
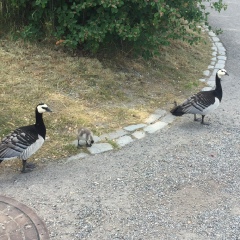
{"x":179,"y":183}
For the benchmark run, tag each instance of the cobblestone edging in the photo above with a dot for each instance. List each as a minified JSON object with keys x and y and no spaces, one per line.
{"x":160,"y":118}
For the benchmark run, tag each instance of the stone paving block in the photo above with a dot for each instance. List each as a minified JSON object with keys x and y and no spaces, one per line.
{"x":77,"y":157}
{"x":218,"y":44}
{"x":124,"y":140}
{"x":210,"y":66}
{"x":214,"y":53}
{"x":139,"y":134}
{"x":100,"y":147}
{"x":155,"y":127}
{"x":219,"y":65}
{"x":155,"y":116}
{"x":207,"y":89}
{"x":221,"y":53}
{"x":169,"y":118}
{"x":222,"y":58}
{"x":206,"y":73}
{"x":221,"y":49}
{"x":212,"y":78}
{"x":132,"y":128}
{"x":113,"y":135}
{"x":214,"y":59}
{"x":215,"y":39}
{"x":202,"y":79}
{"x":211,"y":84}
{"x":220,"y":61}
{"x":212,"y":34}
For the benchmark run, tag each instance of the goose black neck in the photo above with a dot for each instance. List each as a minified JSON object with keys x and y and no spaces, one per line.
{"x":41,"y":129}
{"x":218,"y":89}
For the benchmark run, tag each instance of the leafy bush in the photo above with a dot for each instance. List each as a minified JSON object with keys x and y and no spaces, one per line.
{"x":142,"y":25}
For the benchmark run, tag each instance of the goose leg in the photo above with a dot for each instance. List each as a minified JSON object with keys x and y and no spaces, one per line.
{"x":202,"y":122}
{"x":27,"y":167}
{"x":195,"y":118}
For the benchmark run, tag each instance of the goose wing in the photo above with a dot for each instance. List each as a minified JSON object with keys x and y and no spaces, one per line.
{"x":198,"y":102}
{"x":17,"y":142}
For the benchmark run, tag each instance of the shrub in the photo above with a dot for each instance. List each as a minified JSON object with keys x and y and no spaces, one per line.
{"x":141,"y":25}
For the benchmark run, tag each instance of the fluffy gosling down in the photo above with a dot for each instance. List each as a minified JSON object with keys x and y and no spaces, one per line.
{"x":25,"y":141}
{"x":85,"y":135}
{"x":203,"y":102}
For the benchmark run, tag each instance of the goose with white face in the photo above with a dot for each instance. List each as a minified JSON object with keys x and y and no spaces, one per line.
{"x":42,"y":108}
{"x":222,"y":72}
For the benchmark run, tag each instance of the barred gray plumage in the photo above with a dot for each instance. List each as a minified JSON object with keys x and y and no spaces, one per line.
{"x":203,"y":102}
{"x":25,"y":141}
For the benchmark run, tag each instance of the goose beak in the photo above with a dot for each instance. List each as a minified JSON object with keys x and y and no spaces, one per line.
{"x":48,"y":109}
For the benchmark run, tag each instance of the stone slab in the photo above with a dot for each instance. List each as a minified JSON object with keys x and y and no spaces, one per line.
{"x":215,"y":39}
{"x":113,"y":135}
{"x":219,"y":65}
{"x":169,"y":118}
{"x":139,"y":134}
{"x":211,"y":83}
{"x":207,"y":89}
{"x":155,"y":116}
{"x":222,"y":58}
{"x":124,"y":140}
{"x":100,"y":147}
{"x":206,"y":73}
{"x":132,"y":128}
{"x":155,"y":127}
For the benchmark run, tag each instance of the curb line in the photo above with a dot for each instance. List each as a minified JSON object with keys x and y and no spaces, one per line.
{"x":160,"y":118}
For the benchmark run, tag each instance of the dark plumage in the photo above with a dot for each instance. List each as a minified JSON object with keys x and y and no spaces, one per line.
{"x":203,"y":102}
{"x":25,"y":141}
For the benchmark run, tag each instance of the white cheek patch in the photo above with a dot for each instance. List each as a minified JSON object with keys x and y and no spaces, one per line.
{"x":40,"y":108}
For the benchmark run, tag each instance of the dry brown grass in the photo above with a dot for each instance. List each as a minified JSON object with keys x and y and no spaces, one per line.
{"x":102,"y":94}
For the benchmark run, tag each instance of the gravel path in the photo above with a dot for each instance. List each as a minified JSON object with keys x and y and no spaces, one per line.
{"x":179,"y":183}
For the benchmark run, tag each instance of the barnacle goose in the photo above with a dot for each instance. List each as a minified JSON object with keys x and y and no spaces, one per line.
{"x":203,"y":102}
{"x":85,"y":135}
{"x":25,"y":141}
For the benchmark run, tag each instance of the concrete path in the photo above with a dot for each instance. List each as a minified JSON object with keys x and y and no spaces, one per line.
{"x":181,"y":182}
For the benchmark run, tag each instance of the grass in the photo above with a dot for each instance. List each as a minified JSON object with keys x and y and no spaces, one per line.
{"x":102,"y":93}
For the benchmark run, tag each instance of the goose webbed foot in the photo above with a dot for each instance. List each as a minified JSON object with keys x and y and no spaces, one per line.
{"x":27,"y":167}
{"x":204,"y":123}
